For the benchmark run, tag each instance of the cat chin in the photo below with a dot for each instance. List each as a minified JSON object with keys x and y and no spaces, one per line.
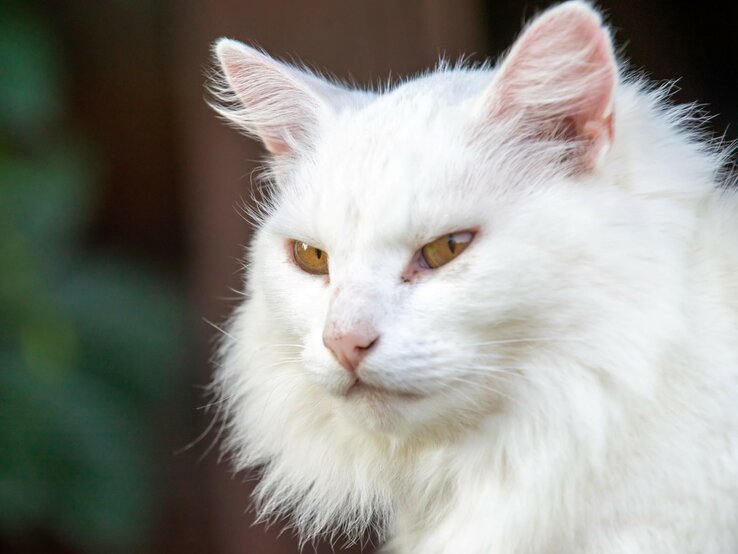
{"x":363,"y":391}
{"x":368,"y":405}
{"x":407,"y":416}
{"x":371,"y":408}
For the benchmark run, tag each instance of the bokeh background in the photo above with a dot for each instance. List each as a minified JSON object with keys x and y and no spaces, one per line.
{"x":120,"y":241}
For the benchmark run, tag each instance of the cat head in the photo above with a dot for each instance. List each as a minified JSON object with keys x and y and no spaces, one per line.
{"x":428,"y":251}
{"x":472,"y":247}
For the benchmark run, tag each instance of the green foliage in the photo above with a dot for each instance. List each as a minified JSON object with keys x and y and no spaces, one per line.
{"x":29,"y":78}
{"x":88,"y":342}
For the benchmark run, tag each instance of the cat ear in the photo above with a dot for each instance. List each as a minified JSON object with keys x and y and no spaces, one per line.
{"x":278,"y":104}
{"x":558,"y":80}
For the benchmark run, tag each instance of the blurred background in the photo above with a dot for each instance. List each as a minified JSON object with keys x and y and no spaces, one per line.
{"x":119,"y":240}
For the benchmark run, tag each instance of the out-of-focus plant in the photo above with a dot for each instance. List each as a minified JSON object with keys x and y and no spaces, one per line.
{"x":88,"y":340}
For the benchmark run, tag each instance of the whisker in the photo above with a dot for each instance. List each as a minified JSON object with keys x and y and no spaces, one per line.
{"x":483,"y":386}
{"x":520,"y":340}
{"x":200,"y":437}
{"x":218,"y":328}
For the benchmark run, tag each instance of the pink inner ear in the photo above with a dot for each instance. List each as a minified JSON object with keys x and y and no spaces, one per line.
{"x":560,"y":78}
{"x":276,"y":108}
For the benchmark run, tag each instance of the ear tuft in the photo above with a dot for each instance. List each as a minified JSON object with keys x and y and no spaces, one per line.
{"x":559,"y":80}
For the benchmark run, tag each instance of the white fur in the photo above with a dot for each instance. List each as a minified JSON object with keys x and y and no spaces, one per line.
{"x":575,"y":370}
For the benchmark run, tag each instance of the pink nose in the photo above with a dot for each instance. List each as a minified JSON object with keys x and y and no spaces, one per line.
{"x":350,"y":348}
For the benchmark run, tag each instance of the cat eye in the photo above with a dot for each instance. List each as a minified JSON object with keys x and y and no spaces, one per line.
{"x":310,"y":259}
{"x":445,"y":248}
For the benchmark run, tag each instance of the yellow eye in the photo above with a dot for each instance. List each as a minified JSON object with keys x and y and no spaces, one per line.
{"x":310,"y":259}
{"x":445,"y":248}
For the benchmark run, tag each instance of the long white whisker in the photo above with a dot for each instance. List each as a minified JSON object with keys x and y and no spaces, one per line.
{"x":520,"y":340}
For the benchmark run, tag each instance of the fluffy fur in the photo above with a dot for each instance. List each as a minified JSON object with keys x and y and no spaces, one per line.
{"x":568,"y":384}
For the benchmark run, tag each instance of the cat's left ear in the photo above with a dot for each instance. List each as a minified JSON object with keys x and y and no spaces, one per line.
{"x":558,"y":81}
{"x":279,"y":104}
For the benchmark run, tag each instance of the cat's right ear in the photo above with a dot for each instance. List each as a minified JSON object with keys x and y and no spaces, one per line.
{"x":558,"y":82}
{"x":280,"y":105}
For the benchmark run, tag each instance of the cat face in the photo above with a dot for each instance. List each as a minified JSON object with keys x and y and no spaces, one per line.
{"x":451,"y":342}
{"x":501,"y":158}
{"x":371,"y":215}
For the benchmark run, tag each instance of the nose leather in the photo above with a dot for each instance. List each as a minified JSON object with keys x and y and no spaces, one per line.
{"x":350,"y":347}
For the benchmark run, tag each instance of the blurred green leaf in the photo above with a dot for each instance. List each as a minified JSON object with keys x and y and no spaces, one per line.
{"x":47,"y":197}
{"x":77,"y":451}
{"x":115,"y":304}
{"x":88,"y":342}
{"x":29,"y":76}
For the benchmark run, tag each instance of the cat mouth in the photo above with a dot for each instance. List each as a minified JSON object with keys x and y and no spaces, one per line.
{"x":362,"y":389}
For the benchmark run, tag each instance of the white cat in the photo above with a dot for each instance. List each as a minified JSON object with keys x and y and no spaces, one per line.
{"x":488,"y":310}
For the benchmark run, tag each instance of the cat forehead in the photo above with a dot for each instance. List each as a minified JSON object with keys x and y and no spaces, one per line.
{"x":399,"y":167}
{"x":444,"y":86}
{"x":413,"y":136}
{"x":392,"y":170}
{"x":403,"y":201}
{"x":435,"y":102}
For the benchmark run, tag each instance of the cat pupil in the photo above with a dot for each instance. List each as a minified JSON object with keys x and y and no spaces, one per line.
{"x":318,"y":253}
{"x":451,"y":244}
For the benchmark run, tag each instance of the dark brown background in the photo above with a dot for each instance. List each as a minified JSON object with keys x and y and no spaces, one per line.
{"x":173,"y":173}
